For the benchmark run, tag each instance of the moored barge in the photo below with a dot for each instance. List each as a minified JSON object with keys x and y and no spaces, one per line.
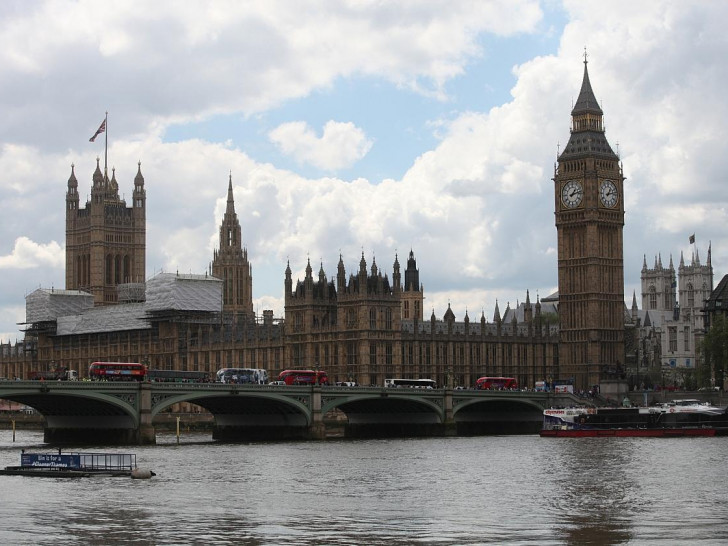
{"x":678,"y":418}
{"x":72,"y":465}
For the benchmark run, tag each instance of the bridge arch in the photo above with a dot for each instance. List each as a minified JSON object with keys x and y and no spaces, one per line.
{"x":500,"y":414}
{"x":233,"y":402}
{"x":375,"y":403}
{"x":527,"y":403}
{"x":79,"y":405}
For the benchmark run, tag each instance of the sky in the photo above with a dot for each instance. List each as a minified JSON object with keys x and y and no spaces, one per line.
{"x":352,"y":127}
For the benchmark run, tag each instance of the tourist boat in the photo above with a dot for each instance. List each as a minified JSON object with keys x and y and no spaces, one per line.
{"x":671,"y":419}
{"x":73,"y":465}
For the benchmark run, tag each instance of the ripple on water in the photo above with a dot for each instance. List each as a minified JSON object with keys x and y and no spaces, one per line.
{"x":518,"y":490}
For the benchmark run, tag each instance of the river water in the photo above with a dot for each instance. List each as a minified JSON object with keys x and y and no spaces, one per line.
{"x":435,"y":491}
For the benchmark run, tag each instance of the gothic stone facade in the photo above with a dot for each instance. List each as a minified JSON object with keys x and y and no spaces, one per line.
{"x":589,"y":207}
{"x":105,"y":240}
{"x":363,"y":328}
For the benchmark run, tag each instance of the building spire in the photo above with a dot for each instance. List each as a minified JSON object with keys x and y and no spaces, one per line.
{"x":230,"y":200}
{"x":586,"y":102}
{"x":587,"y":126}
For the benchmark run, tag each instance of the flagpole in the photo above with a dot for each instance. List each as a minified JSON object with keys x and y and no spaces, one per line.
{"x":106,"y":142}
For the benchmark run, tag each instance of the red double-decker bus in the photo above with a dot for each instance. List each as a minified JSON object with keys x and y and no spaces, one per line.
{"x":303,"y":377}
{"x":117,"y":371}
{"x":496,"y":383}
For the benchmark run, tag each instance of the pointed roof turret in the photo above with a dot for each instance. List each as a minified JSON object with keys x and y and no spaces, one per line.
{"x":449,"y":315}
{"x":682,"y":259}
{"x":396,"y":275}
{"x":586,"y":102}
{"x":98,"y":178}
{"x":411,"y":274}
{"x":72,"y":182}
{"x":587,"y":130}
{"x":230,"y":200}
{"x":114,"y":184}
{"x":139,"y":179}
{"x":644,"y":262}
{"x":709,"y":249}
{"x":496,"y":314}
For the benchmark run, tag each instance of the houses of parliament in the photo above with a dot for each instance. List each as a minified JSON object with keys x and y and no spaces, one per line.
{"x":357,"y":325}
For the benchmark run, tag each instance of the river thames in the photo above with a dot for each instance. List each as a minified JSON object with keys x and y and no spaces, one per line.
{"x":435,"y":491}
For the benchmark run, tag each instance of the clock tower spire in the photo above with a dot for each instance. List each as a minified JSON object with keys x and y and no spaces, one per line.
{"x":589,"y":210}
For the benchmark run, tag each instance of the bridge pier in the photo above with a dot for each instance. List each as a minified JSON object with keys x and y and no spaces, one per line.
{"x":449,"y":426}
{"x":146,"y":434}
{"x":317,"y":430}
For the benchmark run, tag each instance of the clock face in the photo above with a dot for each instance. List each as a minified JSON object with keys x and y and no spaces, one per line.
{"x":571,"y":194}
{"x":608,"y":193}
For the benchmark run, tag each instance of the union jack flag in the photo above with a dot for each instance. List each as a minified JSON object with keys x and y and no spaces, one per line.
{"x":100,"y":130}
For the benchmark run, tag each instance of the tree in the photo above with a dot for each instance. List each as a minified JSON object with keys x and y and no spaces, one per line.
{"x":715,"y":350}
{"x":547,"y":319}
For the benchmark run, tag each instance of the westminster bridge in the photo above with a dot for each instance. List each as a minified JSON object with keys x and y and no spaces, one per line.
{"x":123,"y":412}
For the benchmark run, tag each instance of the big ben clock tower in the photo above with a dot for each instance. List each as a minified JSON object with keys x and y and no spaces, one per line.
{"x":589,"y":209}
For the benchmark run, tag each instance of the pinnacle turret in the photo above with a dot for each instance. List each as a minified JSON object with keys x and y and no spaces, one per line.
{"x":72,"y":182}
{"x":586,"y":102}
{"x":230,"y":200}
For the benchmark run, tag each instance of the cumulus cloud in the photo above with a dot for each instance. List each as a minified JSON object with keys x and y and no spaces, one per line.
{"x":29,"y":254}
{"x":189,"y":62}
{"x":340,"y":146}
{"x":476,"y":208}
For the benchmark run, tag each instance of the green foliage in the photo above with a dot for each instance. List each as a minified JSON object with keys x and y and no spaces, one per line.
{"x":715,"y":351}
{"x":549,"y":318}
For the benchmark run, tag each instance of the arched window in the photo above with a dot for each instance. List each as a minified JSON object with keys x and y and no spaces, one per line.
{"x":372,"y":318}
{"x":653,"y":298}
{"x":109,"y":269}
{"x":117,"y":269}
{"x":127,"y":269}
